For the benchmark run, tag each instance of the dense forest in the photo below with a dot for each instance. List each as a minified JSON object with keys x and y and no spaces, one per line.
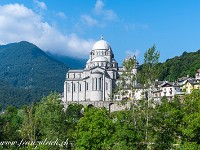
{"x":179,"y":66}
{"x":44,"y":125}
{"x":28,"y":73}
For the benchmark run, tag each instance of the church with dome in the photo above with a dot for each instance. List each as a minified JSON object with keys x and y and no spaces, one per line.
{"x":98,"y":79}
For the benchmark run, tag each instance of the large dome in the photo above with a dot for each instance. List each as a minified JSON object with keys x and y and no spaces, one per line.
{"x":101,"y":44}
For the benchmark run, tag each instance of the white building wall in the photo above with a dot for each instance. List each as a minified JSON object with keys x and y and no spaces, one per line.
{"x":169,"y":91}
{"x":97,"y":87}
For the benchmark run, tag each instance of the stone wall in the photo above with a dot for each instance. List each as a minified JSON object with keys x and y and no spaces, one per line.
{"x":111,"y":106}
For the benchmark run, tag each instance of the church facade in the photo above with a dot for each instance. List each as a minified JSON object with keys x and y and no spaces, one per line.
{"x":98,"y":79}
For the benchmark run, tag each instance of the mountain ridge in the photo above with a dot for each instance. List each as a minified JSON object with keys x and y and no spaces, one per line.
{"x":80,"y":63}
{"x":28,"y":71}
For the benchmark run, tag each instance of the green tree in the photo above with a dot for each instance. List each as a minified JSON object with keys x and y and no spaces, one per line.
{"x":29,"y":124}
{"x":10,"y":123}
{"x":148,"y":75}
{"x":1,"y":128}
{"x":73,"y":114}
{"x":191,"y":121}
{"x":129,"y":133}
{"x":94,"y":130}
{"x":128,"y":78}
{"x":165,"y":123}
{"x":51,"y":120}
{"x":149,"y":69}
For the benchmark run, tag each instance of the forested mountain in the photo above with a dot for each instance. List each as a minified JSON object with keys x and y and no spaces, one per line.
{"x":179,"y":66}
{"x":27,"y":73}
{"x":10,"y":95}
{"x":71,"y":62}
{"x":174,"y":68}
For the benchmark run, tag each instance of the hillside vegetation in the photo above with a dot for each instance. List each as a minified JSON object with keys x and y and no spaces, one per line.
{"x":186,"y":64}
{"x":177,"y":67}
{"x":28,"y":73}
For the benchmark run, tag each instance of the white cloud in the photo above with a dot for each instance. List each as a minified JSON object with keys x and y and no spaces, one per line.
{"x":61,"y":15}
{"x":98,"y":7}
{"x":41,"y":5}
{"x":98,"y":17}
{"x":106,"y":14}
{"x":86,"y":19}
{"x":110,"y":15}
{"x":26,"y":25}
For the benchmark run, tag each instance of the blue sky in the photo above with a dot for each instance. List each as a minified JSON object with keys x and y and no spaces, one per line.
{"x":70,"y":27}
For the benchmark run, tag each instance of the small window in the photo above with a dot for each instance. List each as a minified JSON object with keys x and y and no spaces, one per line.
{"x":74,"y":87}
{"x":80,"y":87}
{"x":96,"y":84}
{"x":106,"y":86}
{"x":87,"y":86}
{"x":99,"y":83}
{"x":92,"y":83}
{"x":68,"y":87}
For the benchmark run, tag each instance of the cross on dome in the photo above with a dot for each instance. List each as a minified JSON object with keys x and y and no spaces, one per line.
{"x":101,"y":36}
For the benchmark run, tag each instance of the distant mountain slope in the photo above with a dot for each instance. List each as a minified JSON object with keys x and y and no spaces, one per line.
{"x":10,"y":95}
{"x":26,"y":68}
{"x":73,"y":63}
{"x":179,"y":66}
